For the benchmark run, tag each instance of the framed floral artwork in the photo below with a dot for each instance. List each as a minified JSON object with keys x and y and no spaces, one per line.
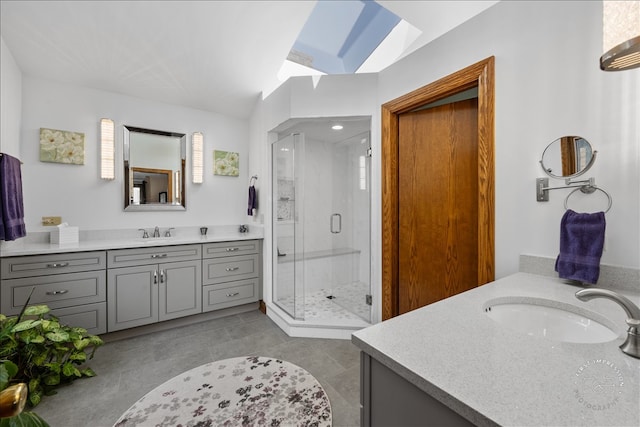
{"x":226,"y":163}
{"x":61,"y":146}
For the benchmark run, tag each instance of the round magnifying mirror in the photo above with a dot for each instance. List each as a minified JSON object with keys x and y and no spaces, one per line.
{"x":567,"y":157}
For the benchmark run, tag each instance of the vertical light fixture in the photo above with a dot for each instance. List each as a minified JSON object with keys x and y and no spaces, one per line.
{"x":620,"y":35}
{"x":107,"y":149}
{"x":197,"y":171}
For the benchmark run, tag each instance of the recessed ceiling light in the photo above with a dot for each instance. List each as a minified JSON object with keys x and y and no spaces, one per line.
{"x":337,"y":127}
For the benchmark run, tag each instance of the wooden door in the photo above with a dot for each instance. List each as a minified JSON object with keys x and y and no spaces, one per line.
{"x":480,"y":76}
{"x":438,"y":203}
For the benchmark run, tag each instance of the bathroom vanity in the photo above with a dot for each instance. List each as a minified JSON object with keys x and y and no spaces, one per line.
{"x":455,"y":363}
{"x":112,"y":285}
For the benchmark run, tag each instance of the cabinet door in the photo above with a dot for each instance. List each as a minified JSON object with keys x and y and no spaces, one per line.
{"x":180,"y":289}
{"x":132,"y":297}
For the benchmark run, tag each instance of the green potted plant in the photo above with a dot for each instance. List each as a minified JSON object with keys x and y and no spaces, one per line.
{"x":13,"y":399}
{"x":45,"y":353}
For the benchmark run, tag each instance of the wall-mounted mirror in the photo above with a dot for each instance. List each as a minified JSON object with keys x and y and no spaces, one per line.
{"x":154,"y":167}
{"x":567,"y":157}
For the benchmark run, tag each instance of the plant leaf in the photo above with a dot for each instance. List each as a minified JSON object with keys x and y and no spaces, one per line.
{"x":53,"y":367}
{"x":10,"y":367}
{"x":88,"y":372}
{"x":25,"y":419}
{"x":69,"y":370}
{"x":78,"y":357}
{"x":52,"y":379}
{"x":81,"y":344}
{"x":58,"y":336}
{"x":95,"y":340}
{"x":24,"y":325}
{"x":34,"y":398}
{"x":36,"y":310}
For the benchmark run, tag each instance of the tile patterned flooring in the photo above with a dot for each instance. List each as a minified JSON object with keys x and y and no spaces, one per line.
{"x":348,"y":306}
{"x":129,"y":368}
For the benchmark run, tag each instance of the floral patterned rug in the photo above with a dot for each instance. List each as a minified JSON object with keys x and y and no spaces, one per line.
{"x":243,"y":391}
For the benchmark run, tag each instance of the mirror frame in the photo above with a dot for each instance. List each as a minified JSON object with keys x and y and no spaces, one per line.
{"x":578,"y":173}
{"x":127,"y":130}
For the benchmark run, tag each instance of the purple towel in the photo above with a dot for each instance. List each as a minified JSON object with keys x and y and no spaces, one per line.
{"x":581,"y":245}
{"x":252,"y":200}
{"x":11,"y":206}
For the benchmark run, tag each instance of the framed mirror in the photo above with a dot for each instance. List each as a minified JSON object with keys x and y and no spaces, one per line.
{"x":154,"y":167}
{"x":567,"y":157}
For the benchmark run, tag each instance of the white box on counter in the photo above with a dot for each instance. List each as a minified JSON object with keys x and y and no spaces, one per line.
{"x":62,"y":235}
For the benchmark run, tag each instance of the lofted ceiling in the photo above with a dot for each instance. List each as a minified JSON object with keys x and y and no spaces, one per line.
{"x":210,"y":55}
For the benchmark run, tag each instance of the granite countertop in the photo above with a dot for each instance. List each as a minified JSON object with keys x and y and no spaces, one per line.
{"x":492,"y":375}
{"x":38,"y":243}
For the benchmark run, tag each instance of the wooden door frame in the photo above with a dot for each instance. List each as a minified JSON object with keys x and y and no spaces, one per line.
{"x":480,"y":75}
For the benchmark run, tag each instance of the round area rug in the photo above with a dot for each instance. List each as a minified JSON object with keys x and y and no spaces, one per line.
{"x":243,"y":391}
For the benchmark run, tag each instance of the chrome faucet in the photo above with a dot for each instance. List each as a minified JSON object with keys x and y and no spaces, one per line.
{"x":631,"y":346}
{"x":156,"y":232}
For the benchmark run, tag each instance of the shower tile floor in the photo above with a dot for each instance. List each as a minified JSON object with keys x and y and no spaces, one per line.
{"x":347,"y":307}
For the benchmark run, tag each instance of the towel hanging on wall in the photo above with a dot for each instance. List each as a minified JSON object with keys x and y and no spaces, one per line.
{"x":12,"y":224}
{"x":581,"y":246}
{"x":252,"y":200}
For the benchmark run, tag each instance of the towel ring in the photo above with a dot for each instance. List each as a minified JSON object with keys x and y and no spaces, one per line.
{"x":588,"y":189}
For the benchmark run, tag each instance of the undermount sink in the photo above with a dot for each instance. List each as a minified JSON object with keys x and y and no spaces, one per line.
{"x":154,"y":240}
{"x":549,"y":319}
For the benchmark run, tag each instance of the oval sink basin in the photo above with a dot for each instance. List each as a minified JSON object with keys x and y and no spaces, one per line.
{"x":550,"y":319}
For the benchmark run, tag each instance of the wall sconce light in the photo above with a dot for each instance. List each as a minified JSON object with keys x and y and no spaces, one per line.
{"x":107,"y":149}
{"x":620,"y":35}
{"x":197,"y":142}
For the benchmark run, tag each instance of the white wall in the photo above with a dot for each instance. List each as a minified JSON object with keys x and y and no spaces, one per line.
{"x":548,"y":84}
{"x":10,"y":102}
{"x":79,"y":195}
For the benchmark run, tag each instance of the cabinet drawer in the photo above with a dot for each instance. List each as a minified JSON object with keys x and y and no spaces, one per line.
{"x":224,"y":249}
{"x":225,"y":295}
{"x":217,"y":270}
{"x":92,"y":317}
{"x":56,"y":291}
{"x":40,"y":265}
{"x":155,"y":255}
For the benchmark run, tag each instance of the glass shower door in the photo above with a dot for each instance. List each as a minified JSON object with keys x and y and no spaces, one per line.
{"x":350,"y":225}
{"x":288,"y":233}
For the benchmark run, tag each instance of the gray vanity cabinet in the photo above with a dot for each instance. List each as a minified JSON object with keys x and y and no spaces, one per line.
{"x":72,"y":285}
{"x":231,"y":274}
{"x":150,"y":285}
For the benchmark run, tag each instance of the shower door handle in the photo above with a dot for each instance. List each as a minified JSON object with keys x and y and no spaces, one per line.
{"x":332,"y":223}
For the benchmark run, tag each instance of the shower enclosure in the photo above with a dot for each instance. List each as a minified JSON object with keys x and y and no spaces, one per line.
{"x":321,"y":223}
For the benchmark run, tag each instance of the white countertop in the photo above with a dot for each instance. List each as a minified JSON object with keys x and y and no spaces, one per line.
{"x":125,"y":239}
{"x":495,"y":376}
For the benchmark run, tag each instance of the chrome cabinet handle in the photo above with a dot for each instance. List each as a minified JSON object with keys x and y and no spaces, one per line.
{"x":61,"y":292}
{"x":161,"y":276}
{"x":232,"y":268}
{"x":155,"y":277}
{"x":233,"y":294}
{"x":159,"y":256}
{"x":57,"y":265}
{"x":232,"y":249}
{"x":331,"y":223}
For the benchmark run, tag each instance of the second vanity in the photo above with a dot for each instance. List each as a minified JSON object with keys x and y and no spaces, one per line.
{"x":451,"y":363}
{"x":112,"y":285}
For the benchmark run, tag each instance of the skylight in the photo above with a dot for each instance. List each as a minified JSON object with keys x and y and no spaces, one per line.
{"x":340,"y":36}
